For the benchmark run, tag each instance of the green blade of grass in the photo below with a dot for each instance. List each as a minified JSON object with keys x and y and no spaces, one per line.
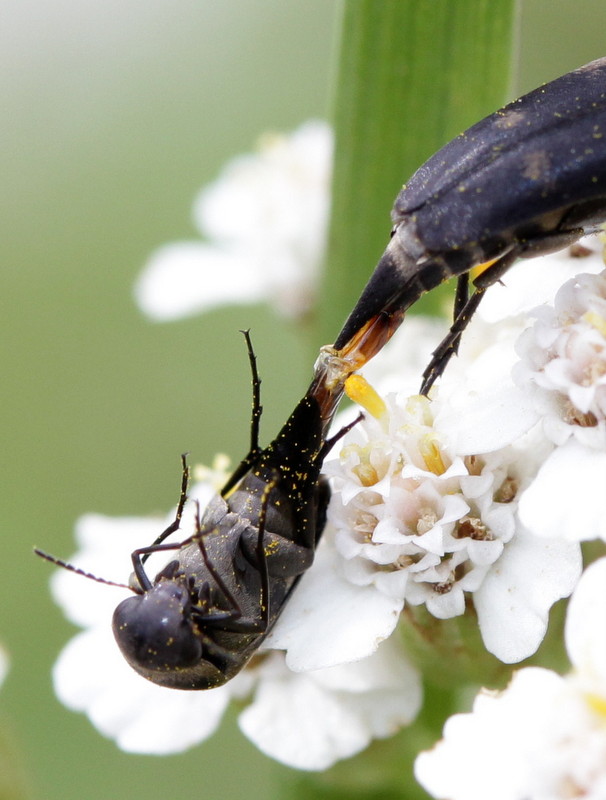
{"x":412,"y":74}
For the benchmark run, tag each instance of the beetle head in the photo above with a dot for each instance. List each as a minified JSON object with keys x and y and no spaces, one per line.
{"x":155,"y":632}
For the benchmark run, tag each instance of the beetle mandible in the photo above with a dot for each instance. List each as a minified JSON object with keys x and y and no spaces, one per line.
{"x":525,"y":181}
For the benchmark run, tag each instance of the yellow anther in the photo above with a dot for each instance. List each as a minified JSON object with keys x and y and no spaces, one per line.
{"x":366,"y":472}
{"x":361,"y":392}
{"x":430,"y":451}
{"x":596,"y":321}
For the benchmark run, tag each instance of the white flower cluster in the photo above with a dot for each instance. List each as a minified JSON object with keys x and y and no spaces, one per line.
{"x":544,"y":737}
{"x":263,"y":224}
{"x":424,"y":524}
{"x":563,"y":370}
{"x":474,"y":502}
{"x":306,"y":720}
{"x":419,"y":524}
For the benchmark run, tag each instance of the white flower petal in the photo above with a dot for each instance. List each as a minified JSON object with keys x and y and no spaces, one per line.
{"x":265,"y":218}
{"x":292,"y":705}
{"x":484,"y":755}
{"x":329,"y":620}
{"x":309,"y":721}
{"x":586,"y":626}
{"x":482,"y":422}
{"x":528,"y":284}
{"x":514,"y":600}
{"x":140,"y":716}
{"x":447,"y":605}
{"x":105,"y":545}
{"x":187,"y":278}
{"x":566,"y":499}
{"x":4,"y":664}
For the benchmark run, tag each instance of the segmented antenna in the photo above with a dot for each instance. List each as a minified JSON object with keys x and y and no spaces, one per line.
{"x":71,"y":568}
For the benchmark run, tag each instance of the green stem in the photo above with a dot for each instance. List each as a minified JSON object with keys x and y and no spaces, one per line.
{"x":412,"y":74}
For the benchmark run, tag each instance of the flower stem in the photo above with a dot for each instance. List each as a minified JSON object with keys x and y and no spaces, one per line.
{"x":411,"y":75}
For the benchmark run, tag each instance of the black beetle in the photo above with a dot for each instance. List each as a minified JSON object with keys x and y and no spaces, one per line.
{"x":527,"y":180}
{"x":207,"y":611}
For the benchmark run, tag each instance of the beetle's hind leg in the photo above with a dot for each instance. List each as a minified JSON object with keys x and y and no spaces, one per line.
{"x":465,"y":308}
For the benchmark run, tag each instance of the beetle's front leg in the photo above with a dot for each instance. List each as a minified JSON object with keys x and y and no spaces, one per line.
{"x":449,"y":344}
{"x":174,"y":526}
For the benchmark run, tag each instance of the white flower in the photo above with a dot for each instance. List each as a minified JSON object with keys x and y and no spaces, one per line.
{"x":544,"y":737}
{"x":91,"y":675}
{"x":264,"y":222}
{"x":308,"y":721}
{"x":487,"y":408}
{"x":564,"y":369}
{"x":532,"y":282}
{"x":406,"y":485}
{"x":417,"y":523}
{"x":311,"y":720}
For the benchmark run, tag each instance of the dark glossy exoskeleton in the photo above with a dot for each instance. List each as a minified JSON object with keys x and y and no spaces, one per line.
{"x":206,"y":613}
{"x":527,"y":180}
{"x":203,"y":616}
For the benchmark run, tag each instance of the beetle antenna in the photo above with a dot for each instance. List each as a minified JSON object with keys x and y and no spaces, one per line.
{"x":58,"y":562}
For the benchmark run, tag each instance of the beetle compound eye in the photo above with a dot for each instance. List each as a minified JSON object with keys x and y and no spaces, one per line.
{"x":154,"y":630}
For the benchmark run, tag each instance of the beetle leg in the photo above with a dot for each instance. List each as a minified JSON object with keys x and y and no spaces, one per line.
{"x":177,"y":520}
{"x":257,"y":409}
{"x":243,"y":624}
{"x":449,"y":344}
{"x":138,"y":557}
{"x":198,"y":537}
{"x":550,"y":243}
{"x":265,"y":597}
{"x":330,"y":443}
{"x":461,"y":295}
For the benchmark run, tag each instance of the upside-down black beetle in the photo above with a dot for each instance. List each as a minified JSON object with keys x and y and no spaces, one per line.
{"x":526,"y":180}
{"x":207,"y":611}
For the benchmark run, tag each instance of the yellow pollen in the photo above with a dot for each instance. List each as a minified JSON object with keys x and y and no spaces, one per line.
{"x":367,"y":474}
{"x":430,"y":451}
{"x":361,"y":392}
{"x":596,"y":321}
{"x":597,"y":703}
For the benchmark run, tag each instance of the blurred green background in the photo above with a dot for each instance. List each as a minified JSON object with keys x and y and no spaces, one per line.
{"x":114,"y":114}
